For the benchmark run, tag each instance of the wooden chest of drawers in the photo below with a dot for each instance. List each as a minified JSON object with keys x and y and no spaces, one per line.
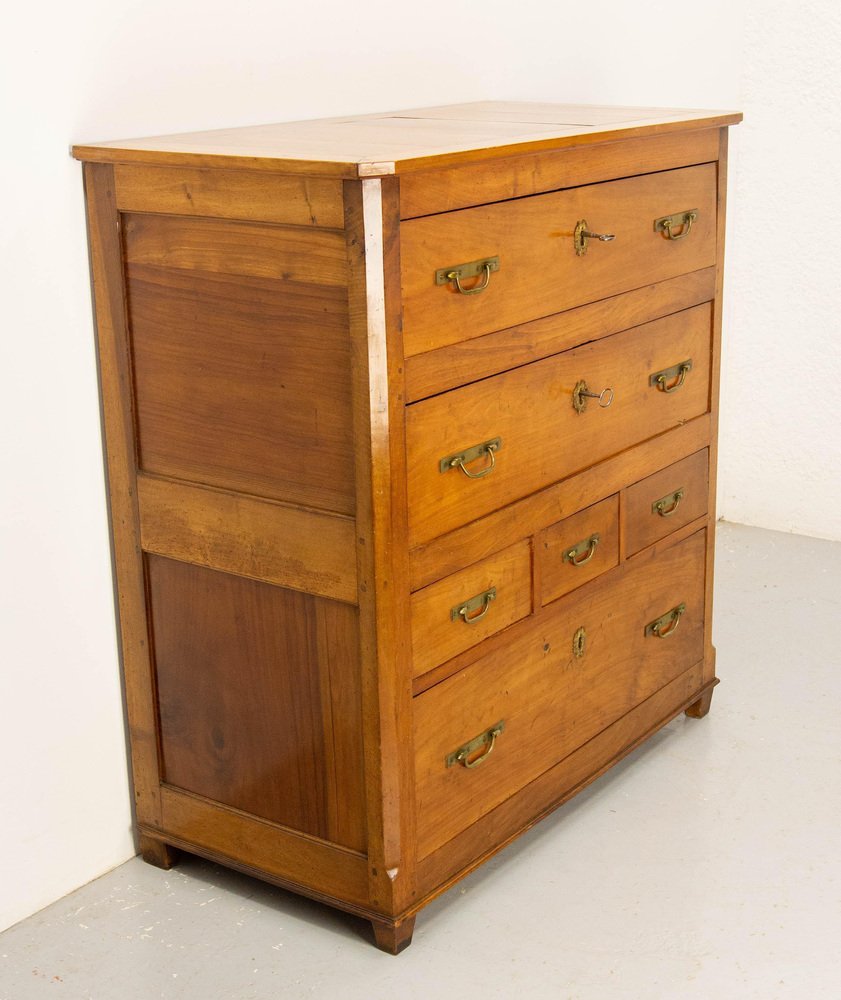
{"x":410,"y":424}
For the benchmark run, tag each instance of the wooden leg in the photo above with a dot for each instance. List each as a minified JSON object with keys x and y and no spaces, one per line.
{"x":393,"y":937}
{"x":157,"y":853}
{"x":698,"y":709}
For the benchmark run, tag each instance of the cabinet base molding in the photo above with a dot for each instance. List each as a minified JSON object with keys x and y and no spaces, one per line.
{"x":507,"y":822}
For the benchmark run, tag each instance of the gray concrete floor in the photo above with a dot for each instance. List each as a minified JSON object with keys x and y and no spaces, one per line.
{"x":705,"y":865}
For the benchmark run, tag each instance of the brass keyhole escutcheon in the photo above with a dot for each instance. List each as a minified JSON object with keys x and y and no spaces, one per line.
{"x":579,"y":642}
{"x":581,"y":393}
{"x":582,"y":235}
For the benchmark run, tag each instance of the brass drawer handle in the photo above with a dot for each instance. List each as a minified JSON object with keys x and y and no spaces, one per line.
{"x":474,"y":268}
{"x":582,"y":552}
{"x":682,"y":219}
{"x":582,"y":234}
{"x":666,"y":624}
{"x":679,"y":372}
{"x":667,"y":505}
{"x":580,"y":395}
{"x":461,"y":459}
{"x":464,"y":612}
{"x":488,"y":738}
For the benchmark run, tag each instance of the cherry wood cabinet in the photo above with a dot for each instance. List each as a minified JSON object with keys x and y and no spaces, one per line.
{"x":411,"y":432}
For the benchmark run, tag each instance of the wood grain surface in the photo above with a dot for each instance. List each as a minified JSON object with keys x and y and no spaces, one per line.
{"x":301,"y":549}
{"x":241,"y":364}
{"x":281,"y":737}
{"x":559,"y":575}
{"x":230,"y":194}
{"x":555,"y":441}
{"x":436,"y":636}
{"x":402,"y":141}
{"x":642,"y":524}
{"x":539,"y":270}
{"x":554,"y":701}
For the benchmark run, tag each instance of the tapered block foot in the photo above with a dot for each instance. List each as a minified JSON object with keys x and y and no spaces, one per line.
{"x":393,"y":937}
{"x":157,"y":853}
{"x":699,"y":708}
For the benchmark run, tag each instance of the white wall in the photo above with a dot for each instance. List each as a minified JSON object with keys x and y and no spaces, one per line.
{"x":100,"y":69}
{"x":781,"y":385}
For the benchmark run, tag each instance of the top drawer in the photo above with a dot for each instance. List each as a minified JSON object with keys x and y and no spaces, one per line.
{"x":539,"y":270}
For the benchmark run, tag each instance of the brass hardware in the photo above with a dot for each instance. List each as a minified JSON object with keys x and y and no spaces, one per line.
{"x":666,"y":624}
{"x":462,"y":458}
{"x":667,"y":505}
{"x":676,"y":371}
{"x":579,"y":641}
{"x":463,"y":611}
{"x":488,"y":738}
{"x":682,"y":219}
{"x":445,"y":275}
{"x":587,"y":547}
{"x":580,"y":395}
{"x":582,"y":234}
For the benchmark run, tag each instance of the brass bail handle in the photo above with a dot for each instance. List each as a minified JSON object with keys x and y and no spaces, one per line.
{"x":457,"y":273}
{"x":581,"y":553}
{"x":490,"y":451}
{"x":461,"y":459}
{"x":660,"y":380}
{"x":667,"y":625}
{"x":581,"y":393}
{"x":668,"y":504}
{"x":482,"y":602}
{"x":683,"y":220}
{"x":681,"y":378}
{"x":455,"y":277}
{"x":484,"y":741}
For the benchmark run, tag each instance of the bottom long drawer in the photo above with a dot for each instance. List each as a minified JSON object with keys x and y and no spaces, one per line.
{"x":585,"y":662}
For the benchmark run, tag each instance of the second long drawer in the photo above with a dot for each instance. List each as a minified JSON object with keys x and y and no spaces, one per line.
{"x":586,"y":662}
{"x":477,"y":448}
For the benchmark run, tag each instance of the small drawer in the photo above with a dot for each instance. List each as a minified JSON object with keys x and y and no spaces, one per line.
{"x":658,"y":505}
{"x":487,"y":731}
{"x":463,"y":609}
{"x":517,"y":260}
{"x":578,"y":549}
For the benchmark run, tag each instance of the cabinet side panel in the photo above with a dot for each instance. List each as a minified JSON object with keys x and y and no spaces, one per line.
{"x":258,"y":698}
{"x":241,"y":354}
{"x":715,"y":381}
{"x":120,"y":449}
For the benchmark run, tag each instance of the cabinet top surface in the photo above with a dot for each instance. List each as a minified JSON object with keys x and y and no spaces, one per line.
{"x":402,"y":141}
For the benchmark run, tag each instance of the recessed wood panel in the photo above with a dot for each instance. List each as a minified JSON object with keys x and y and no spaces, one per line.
{"x":242,"y":375}
{"x":259,"y":698}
